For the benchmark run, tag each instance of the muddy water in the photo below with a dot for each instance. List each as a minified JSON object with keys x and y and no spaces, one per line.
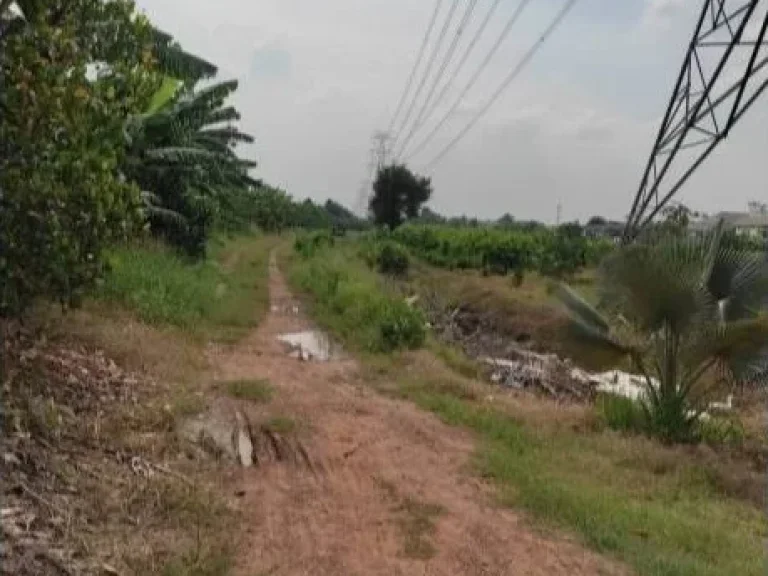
{"x":311,"y":345}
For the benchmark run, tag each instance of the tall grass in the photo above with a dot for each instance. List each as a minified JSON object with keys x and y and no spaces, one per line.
{"x":227,"y":293}
{"x":350,"y":300}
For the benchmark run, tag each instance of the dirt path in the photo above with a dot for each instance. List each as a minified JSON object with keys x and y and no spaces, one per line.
{"x":387,"y":490}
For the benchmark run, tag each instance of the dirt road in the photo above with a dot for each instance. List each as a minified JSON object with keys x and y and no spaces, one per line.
{"x":387,"y":489}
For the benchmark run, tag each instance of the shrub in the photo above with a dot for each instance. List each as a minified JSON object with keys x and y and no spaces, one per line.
{"x":392,"y":258}
{"x":680,"y":308}
{"x":308,"y":244}
{"x":61,"y":141}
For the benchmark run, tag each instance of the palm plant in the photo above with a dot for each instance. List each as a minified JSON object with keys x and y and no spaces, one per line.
{"x":690,"y":313}
{"x":183,"y":156}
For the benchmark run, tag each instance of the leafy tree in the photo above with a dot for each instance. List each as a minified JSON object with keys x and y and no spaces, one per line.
{"x":597,"y":221}
{"x":506,"y":221}
{"x":183,"y":157}
{"x":676,"y":218}
{"x":680,"y":308}
{"x":398,"y":195}
{"x":61,"y":142}
{"x":342,"y":218}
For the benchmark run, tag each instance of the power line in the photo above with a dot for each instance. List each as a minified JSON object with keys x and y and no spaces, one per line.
{"x":462,"y":62}
{"x":416,"y":63}
{"x":491,"y":53}
{"x":428,"y":69}
{"x":508,"y":80}
{"x":447,"y":57}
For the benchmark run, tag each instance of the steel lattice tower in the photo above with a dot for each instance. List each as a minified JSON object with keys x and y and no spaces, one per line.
{"x":724,"y":72}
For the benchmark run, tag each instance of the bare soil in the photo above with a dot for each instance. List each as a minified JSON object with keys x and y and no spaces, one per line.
{"x":385,"y":488}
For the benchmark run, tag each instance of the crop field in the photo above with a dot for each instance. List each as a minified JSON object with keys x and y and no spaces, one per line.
{"x":503,"y":251}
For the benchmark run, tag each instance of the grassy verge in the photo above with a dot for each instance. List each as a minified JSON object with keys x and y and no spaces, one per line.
{"x":648,"y":505}
{"x":152,"y":316}
{"x":349,"y":300}
{"x":664,"y":511}
{"x":221,"y":297}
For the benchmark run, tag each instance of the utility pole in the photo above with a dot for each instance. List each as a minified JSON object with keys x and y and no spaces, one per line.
{"x":559,"y":213}
{"x":379,"y":157}
{"x":381,"y":148}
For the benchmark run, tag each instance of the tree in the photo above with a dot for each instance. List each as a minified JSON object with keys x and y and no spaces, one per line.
{"x":61,"y":141}
{"x":597,"y":221}
{"x":506,"y":221}
{"x":398,"y":195}
{"x":183,"y":157}
{"x":680,"y":308}
{"x":676,"y":217}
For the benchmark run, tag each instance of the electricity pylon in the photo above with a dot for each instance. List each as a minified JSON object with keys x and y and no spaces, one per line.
{"x":724,"y":72}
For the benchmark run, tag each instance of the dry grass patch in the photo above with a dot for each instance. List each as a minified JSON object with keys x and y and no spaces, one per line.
{"x":95,"y":477}
{"x":416,"y":520}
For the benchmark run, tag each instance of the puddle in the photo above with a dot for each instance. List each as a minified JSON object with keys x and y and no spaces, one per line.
{"x":311,"y":345}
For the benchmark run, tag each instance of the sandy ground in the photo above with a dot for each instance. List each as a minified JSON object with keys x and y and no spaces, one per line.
{"x":376,"y":465}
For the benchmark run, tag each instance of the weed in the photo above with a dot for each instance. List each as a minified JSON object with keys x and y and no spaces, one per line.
{"x":253,"y":390}
{"x":281,"y":424}
{"x":187,"y":403}
{"x":621,"y":413}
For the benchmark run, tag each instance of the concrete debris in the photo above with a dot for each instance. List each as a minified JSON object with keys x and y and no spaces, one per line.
{"x":527,"y":370}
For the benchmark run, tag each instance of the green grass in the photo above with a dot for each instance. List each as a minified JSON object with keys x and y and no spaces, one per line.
{"x":662,"y":524}
{"x":658,"y":509}
{"x":252,"y":390}
{"x":281,"y":424}
{"x":221,"y":297}
{"x":350,"y":300}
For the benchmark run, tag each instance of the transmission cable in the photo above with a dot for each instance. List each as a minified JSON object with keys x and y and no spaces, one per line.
{"x":507,"y":81}
{"x":469,"y":85}
{"x":416,"y":63}
{"x":428,"y":69}
{"x":462,"y":62}
{"x":447,"y":57}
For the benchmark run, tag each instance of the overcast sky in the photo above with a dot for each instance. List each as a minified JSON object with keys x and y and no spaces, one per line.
{"x":318,"y":77}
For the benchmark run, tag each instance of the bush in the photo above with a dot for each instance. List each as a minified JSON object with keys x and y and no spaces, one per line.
{"x":392,"y":258}
{"x":61,"y":141}
{"x":308,"y":244}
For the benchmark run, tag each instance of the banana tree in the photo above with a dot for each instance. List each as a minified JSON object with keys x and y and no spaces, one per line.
{"x":690,"y":313}
{"x":183,"y":156}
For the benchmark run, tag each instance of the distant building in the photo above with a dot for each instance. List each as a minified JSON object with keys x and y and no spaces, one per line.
{"x":750,"y":224}
{"x":609,"y":229}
